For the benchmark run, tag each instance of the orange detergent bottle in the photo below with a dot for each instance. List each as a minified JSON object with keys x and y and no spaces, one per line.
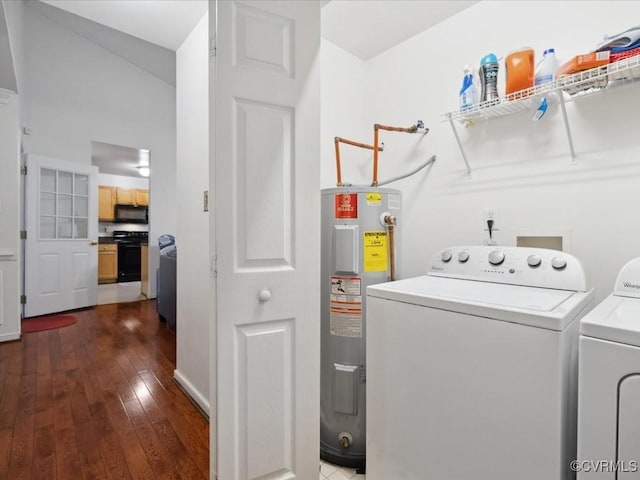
{"x":520,"y":70}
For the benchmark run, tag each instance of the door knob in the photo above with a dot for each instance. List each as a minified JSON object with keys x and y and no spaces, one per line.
{"x":264,"y":295}
{"x":94,"y":242}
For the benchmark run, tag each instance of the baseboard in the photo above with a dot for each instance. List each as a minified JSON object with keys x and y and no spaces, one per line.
{"x":7,"y":337}
{"x":196,"y":397}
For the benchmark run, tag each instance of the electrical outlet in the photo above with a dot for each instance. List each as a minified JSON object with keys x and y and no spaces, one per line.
{"x":490,"y":226}
{"x":490,"y":214}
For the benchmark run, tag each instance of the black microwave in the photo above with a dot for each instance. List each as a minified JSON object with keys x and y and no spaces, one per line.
{"x":131,"y":214}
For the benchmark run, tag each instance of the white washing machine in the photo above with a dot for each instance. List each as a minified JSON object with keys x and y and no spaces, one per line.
{"x":472,"y":369}
{"x":609,"y":386}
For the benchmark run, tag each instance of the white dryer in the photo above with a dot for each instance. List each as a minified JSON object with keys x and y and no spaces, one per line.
{"x":609,"y":386}
{"x":472,"y":369}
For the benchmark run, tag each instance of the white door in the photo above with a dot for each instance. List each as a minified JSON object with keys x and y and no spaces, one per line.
{"x":61,"y":260}
{"x":267,"y":219}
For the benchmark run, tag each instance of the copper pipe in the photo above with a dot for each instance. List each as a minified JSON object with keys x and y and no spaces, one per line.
{"x":411,"y":129}
{"x":356,"y":144}
{"x":390,"y":222}
{"x":338,"y":169}
{"x":338,"y":141}
{"x":374,"y":183}
{"x":378,"y":126}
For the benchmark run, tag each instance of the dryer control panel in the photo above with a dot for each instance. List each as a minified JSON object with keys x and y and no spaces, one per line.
{"x":532,"y":267}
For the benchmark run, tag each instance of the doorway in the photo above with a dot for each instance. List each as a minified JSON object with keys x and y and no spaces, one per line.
{"x":123,"y":222}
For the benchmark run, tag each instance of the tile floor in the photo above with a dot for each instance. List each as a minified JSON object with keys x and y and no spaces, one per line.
{"x":334,"y":472}
{"x":119,"y":293}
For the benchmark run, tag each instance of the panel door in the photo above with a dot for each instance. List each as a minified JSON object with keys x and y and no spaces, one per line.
{"x":61,"y":261}
{"x":267,"y":220}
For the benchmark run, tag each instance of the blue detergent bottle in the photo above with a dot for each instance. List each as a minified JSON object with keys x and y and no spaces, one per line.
{"x":467,"y":89}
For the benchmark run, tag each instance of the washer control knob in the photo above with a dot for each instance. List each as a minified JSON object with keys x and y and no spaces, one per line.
{"x":534,"y":261}
{"x":463,"y":257}
{"x":446,"y":256}
{"x":558,"y":263}
{"x":496,"y":257}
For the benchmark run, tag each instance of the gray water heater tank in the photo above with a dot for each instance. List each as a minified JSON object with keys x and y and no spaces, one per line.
{"x":355,"y":253}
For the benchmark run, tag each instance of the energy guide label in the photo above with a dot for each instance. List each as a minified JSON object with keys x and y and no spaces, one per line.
{"x":346,"y":307}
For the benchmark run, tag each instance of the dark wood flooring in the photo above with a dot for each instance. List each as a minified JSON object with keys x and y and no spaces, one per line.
{"x":96,"y":400}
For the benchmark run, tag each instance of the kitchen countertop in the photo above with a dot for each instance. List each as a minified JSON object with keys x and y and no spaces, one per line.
{"x":105,"y":240}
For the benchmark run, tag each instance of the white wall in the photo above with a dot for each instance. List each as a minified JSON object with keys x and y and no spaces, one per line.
{"x":520,"y":168}
{"x":10,"y":256}
{"x":343,"y":109}
{"x":123,"y":181}
{"x":193,"y":293}
{"x":76,"y":92}
{"x":13,"y":12}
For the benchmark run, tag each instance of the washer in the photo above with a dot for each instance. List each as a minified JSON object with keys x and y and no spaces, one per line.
{"x":609,"y":383}
{"x":472,"y":369}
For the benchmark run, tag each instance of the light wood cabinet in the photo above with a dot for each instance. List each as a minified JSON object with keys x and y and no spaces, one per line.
{"x":144,"y":269}
{"x":107,"y":263}
{"x":142,"y":197}
{"x":132,"y":196}
{"x":125,"y":196}
{"x":106,"y":201}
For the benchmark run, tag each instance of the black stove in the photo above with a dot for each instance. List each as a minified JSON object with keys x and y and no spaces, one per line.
{"x":130,"y":237}
{"x":129,"y":261}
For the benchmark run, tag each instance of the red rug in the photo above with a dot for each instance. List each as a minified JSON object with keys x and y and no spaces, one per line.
{"x":47,"y":322}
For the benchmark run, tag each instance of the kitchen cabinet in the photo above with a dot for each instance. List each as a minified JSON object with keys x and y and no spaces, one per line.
{"x":142,"y":197}
{"x":125,"y":196}
{"x":566,"y":88}
{"x":132,"y":196}
{"x":107,"y":263}
{"x":106,"y":201}
{"x":144,"y":269}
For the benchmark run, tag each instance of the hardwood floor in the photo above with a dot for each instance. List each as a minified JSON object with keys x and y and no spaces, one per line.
{"x":96,"y":400}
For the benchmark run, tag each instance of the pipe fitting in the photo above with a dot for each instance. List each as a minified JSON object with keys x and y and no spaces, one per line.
{"x":387,"y":220}
{"x":345,"y":439}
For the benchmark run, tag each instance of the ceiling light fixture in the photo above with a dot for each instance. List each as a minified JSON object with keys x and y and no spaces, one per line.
{"x":143,"y":170}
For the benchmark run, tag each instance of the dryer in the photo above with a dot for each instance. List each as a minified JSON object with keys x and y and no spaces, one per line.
{"x":609,"y":384}
{"x":472,"y":368}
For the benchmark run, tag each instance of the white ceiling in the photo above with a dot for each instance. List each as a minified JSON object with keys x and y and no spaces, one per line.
{"x":118,"y":160}
{"x":364,"y":28}
{"x":368,"y":28}
{"x":163,"y":22}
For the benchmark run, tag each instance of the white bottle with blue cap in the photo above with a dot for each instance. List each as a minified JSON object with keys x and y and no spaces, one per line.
{"x":546,"y":69}
{"x":467,"y":91}
{"x":489,"y":79}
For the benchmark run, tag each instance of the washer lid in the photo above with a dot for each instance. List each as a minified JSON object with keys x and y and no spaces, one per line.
{"x":534,"y":306}
{"x":616,"y":319}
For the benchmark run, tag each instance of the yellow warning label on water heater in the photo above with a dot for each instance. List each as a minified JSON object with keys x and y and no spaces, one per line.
{"x":374,"y":198}
{"x":375,"y":251}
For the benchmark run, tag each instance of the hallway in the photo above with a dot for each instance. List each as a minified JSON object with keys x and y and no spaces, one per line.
{"x":97,"y":400}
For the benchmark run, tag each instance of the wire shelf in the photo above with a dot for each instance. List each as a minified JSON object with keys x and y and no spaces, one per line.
{"x":566,"y":88}
{"x":575,"y":85}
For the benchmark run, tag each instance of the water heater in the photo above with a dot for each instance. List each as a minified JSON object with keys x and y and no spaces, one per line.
{"x":358,"y":249}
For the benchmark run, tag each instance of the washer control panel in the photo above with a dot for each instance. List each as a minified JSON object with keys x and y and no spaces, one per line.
{"x":628,"y":281}
{"x":537,"y":267}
